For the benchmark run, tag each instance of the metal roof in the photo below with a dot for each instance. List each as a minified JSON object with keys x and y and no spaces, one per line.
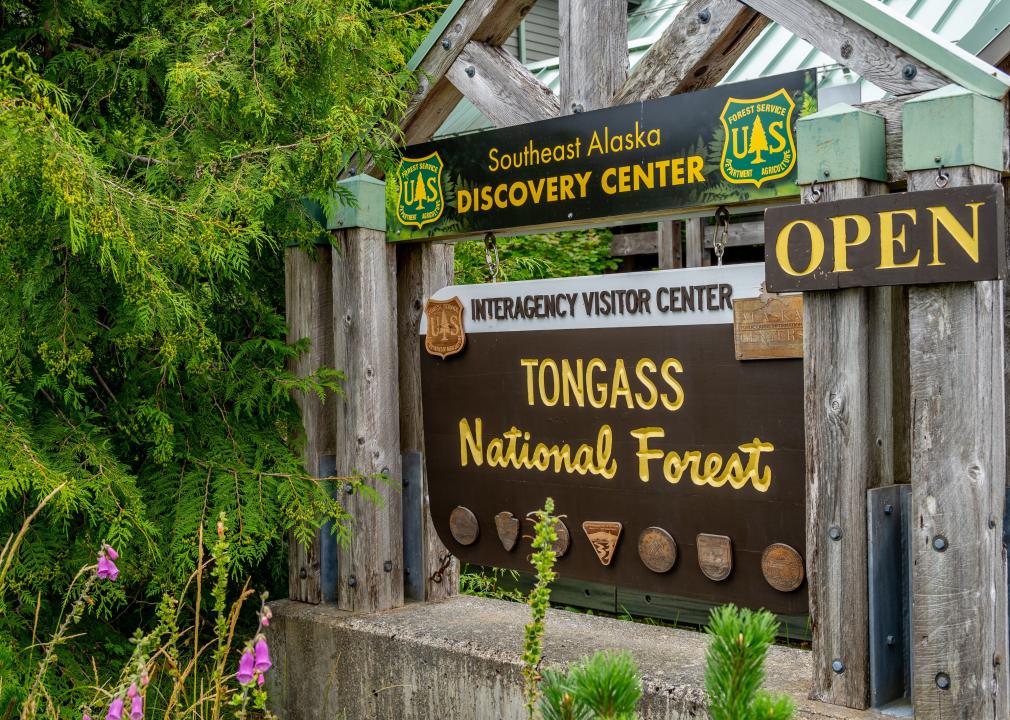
{"x":775,"y":51}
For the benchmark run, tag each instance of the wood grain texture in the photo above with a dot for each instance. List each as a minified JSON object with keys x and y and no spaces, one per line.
{"x":486,"y":21}
{"x":367,"y":425}
{"x":670,"y":245}
{"x":841,"y":465}
{"x":307,"y":282}
{"x":593,"y":60}
{"x":958,"y":469}
{"x":740,"y":234}
{"x":694,"y":235}
{"x":422,"y":268}
{"x":850,"y":44}
{"x":501,"y":87}
{"x":691,"y":54}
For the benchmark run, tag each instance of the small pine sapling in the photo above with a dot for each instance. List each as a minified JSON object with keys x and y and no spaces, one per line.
{"x":738,"y":647}
{"x":543,"y":559}
{"x":605,"y":686}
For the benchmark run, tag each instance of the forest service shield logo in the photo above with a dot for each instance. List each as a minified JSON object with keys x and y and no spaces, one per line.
{"x":421,"y":200}
{"x":445,"y":327}
{"x":758,"y":144}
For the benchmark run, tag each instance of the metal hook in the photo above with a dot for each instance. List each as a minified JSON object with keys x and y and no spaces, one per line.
{"x":721,"y":233}
{"x":491,"y":256}
{"x":814,"y":193}
{"x":942,"y":178}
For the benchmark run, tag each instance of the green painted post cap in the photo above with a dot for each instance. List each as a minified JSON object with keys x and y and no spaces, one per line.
{"x":952,"y":126}
{"x":369,"y":210}
{"x":840,"y":143}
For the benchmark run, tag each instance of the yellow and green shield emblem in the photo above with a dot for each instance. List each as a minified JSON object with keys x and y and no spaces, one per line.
{"x":421,"y":200}
{"x":759,"y":144}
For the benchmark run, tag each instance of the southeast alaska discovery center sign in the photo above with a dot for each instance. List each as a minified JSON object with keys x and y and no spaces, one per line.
{"x":676,"y":467}
{"x":729,"y":144}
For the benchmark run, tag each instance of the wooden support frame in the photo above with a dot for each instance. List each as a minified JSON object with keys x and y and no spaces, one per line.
{"x":501,"y":87}
{"x":694,"y":53}
{"x":958,"y":471}
{"x":593,"y":59}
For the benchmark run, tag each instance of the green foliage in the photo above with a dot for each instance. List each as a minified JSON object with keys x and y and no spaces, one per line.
{"x":488,"y":583}
{"x":605,"y":686}
{"x":738,"y":647}
{"x":543,"y":559}
{"x":530,"y":257}
{"x":153,"y":156}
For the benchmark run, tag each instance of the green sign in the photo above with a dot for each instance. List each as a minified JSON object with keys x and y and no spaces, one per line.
{"x":733,"y":144}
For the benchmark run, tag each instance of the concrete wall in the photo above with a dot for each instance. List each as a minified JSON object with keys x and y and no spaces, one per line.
{"x":460,"y":660}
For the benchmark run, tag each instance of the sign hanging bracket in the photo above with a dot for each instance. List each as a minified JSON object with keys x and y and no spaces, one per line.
{"x":721,"y":233}
{"x":491,"y":256}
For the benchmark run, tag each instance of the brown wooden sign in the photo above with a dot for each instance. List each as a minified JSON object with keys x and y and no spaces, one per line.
{"x":950,"y":235}
{"x":622,"y":398}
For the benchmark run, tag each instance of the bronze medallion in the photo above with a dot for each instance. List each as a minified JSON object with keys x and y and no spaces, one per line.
{"x":463,"y":525}
{"x":782,"y":566}
{"x":564,"y":538}
{"x":603,"y":536}
{"x":657,"y":549}
{"x":769,"y":327}
{"x":445,"y":327}
{"x":508,"y":529}
{"x":715,"y":556}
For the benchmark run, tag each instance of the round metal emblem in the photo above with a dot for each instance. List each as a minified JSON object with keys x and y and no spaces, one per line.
{"x":463,"y":525}
{"x":782,"y":567}
{"x":657,"y":549}
{"x":564,"y":539}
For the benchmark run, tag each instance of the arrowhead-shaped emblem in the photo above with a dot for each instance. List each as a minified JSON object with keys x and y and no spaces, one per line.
{"x":508,"y":529}
{"x":603,"y":536}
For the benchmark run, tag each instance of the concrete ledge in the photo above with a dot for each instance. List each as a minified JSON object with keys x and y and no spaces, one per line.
{"x":460,"y":660}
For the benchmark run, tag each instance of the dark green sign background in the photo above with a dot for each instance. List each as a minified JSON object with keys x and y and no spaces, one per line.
{"x":727,"y":145}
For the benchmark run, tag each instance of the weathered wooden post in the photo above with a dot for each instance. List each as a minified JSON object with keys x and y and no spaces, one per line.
{"x":422,"y":268}
{"x":957,"y":363}
{"x":841,"y":155}
{"x":370,"y":568}
{"x":308,"y":283}
{"x":593,"y":57}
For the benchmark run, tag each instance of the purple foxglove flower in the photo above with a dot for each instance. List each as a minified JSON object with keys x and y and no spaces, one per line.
{"x":137,"y":708}
{"x":245,"y":668}
{"x":265,"y":621}
{"x":115,"y":710}
{"x":113,"y":555}
{"x":107,"y":569}
{"x":85,"y":716}
{"x":262,"y":656}
{"x":259,"y":679}
{"x":132,"y":692}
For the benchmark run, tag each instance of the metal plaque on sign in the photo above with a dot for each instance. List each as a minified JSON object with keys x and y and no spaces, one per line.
{"x":603,"y":536}
{"x":658,"y":549}
{"x":782,"y":567}
{"x":564,"y":538}
{"x":508,"y":529}
{"x":464,"y":526}
{"x":768,"y":327}
{"x":715,"y":556}
{"x":445,"y":322}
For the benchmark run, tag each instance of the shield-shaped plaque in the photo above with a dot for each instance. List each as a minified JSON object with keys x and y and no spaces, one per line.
{"x":715,"y":556}
{"x":445,"y":327}
{"x":603,"y":536}
{"x":758,"y":142}
{"x":508,"y":529}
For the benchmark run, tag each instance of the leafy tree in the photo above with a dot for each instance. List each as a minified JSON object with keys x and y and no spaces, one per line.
{"x":153,"y":155}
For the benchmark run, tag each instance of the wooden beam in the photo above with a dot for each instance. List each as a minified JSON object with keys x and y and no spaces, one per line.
{"x":840,"y":451}
{"x":694,"y":254}
{"x":634,"y":243}
{"x":593,"y":59}
{"x":958,"y":470}
{"x":740,"y":234}
{"x":370,"y":566}
{"x":422,"y":268}
{"x":308,"y":302}
{"x":695,"y":51}
{"x":851,"y":45}
{"x":671,"y":246}
{"x":501,"y":87}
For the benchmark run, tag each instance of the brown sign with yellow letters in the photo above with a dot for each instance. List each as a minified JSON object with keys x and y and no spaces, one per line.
{"x":951,"y":235}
